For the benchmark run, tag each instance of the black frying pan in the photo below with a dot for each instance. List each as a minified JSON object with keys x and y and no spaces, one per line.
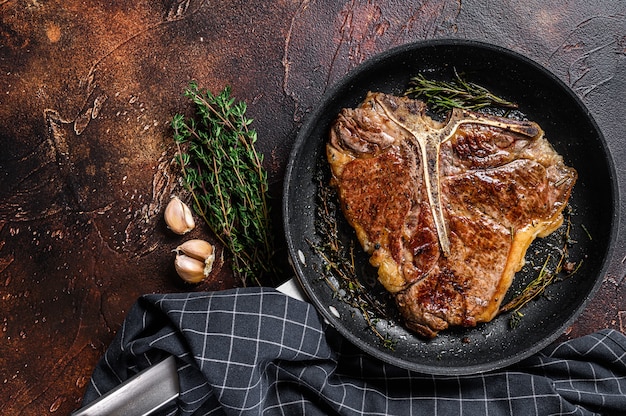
{"x":567,"y":125}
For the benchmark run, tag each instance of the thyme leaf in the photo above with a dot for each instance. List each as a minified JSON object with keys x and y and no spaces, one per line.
{"x":223,"y":172}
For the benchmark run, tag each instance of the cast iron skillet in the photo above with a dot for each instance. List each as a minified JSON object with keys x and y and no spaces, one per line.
{"x":567,"y":125}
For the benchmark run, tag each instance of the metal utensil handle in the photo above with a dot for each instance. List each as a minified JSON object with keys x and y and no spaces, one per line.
{"x":157,"y":385}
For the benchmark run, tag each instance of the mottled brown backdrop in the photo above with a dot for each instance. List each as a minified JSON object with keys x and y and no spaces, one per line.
{"x":87,"y":89}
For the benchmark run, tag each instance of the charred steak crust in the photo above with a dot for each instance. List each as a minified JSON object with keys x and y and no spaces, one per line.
{"x":445,"y":210}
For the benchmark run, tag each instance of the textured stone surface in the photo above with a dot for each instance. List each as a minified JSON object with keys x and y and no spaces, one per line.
{"x":86,"y":93}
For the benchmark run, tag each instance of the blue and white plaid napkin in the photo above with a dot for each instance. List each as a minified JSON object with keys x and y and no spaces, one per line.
{"x":257,"y":351}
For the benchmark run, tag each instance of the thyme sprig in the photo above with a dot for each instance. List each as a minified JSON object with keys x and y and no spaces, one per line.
{"x":228,"y":184}
{"x":459,"y":93}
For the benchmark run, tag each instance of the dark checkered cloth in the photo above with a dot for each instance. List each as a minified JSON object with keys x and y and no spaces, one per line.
{"x":257,"y":351}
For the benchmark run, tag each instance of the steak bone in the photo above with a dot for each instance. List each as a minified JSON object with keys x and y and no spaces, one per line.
{"x":429,"y":135}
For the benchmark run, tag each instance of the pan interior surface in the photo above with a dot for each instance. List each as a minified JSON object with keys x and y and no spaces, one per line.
{"x":569,"y":128}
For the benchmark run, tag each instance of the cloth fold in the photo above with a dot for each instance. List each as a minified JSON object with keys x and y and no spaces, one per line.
{"x":256,"y":351}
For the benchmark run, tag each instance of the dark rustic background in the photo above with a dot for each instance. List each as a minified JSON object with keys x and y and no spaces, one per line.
{"x":87,"y":90}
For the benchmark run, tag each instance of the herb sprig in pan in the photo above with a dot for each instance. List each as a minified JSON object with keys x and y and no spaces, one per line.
{"x":458,"y":93}
{"x":224,"y":174}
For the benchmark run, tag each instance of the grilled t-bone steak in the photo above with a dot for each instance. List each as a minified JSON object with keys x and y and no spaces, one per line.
{"x":446,"y":210}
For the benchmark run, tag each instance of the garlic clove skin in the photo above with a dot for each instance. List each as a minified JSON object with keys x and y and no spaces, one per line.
{"x":189,"y":269}
{"x":194,"y":260}
{"x":178,"y":216}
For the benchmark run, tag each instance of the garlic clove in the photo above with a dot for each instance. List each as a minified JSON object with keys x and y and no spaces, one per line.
{"x":198,"y":249}
{"x":178,"y":216}
{"x":194,"y":257}
{"x":189,"y":269}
